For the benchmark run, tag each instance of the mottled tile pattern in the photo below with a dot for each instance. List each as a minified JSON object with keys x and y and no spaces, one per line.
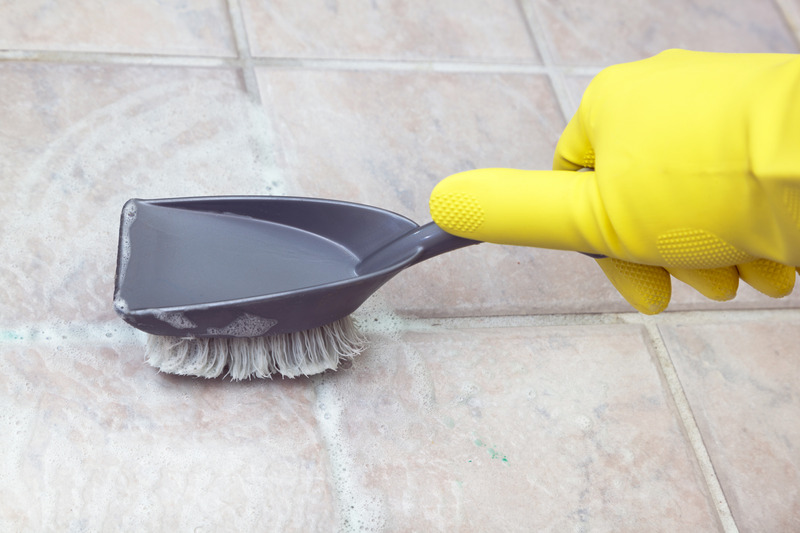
{"x":585,"y":32}
{"x":414,"y":30}
{"x":518,"y":429}
{"x":742,"y":382}
{"x":127,"y":26}
{"x":97,"y":441}
{"x":791,"y":10}
{"x":545,"y":412}
{"x":387,"y":138}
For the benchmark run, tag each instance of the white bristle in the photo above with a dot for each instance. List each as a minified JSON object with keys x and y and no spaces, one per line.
{"x":302,"y":353}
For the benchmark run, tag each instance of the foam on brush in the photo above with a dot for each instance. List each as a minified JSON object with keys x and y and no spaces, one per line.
{"x":302,"y":353}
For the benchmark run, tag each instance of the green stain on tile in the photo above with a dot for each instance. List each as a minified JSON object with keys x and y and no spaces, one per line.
{"x":494,"y":454}
{"x":497,"y":455}
{"x":10,"y":336}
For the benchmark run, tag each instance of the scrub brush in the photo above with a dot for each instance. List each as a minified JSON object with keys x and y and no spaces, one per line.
{"x":301,"y":353}
{"x":252,"y":286}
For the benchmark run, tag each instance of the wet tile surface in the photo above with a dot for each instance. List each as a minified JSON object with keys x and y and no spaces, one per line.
{"x":517,"y":429}
{"x":742,"y":383}
{"x":106,"y":443}
{"x":564,"y":423}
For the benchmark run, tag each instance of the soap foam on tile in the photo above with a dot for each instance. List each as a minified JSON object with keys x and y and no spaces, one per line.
{"x":337,"y":396}
{"x":375,"y":317}
{"x":360,"y":509}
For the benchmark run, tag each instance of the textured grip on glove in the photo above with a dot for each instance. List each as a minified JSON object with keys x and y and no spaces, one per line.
{"x":647,"y":288}
{"x":696,"y":248}
{"x":457,"y":212}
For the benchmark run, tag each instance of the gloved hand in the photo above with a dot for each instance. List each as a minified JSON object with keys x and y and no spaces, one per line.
{"x":694,"y":165}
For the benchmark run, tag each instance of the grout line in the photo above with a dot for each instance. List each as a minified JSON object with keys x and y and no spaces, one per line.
{"x":71,"y":333}
{"x":359,"y":508}
{"x":381,"y":65}
{"x":239,"y":30}
{"x":112,"y":58}
{"x":557,"y":80}
{"x":791,"y":16}
{"x":690,"y":427}
{"x":597,"y":319}
{"x":67,"y":333}
{"x":402,"y":65}
{"x":535,"y":30}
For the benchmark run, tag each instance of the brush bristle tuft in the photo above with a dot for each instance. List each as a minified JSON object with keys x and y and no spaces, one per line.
{"x":302,"y":353}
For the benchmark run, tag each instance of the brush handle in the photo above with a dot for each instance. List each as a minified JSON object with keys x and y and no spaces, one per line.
{"x":430,"y":240}
{"x":425,"y":241}
{"x":435,"y":241}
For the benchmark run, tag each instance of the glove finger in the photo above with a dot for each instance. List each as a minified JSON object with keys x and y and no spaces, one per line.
{"x":768,"y":277}
{"x":647,"y":288}
{"x":541,"y":208}
{"x":574,"y":150}
{"x":718,"y":284}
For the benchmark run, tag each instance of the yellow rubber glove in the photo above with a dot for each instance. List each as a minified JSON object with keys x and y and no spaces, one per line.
{"x":694,"y":165}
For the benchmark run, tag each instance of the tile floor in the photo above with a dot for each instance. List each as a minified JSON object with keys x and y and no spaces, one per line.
{"x":505,"y":389}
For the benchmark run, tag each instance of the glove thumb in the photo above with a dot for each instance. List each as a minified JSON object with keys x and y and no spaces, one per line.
{"x":544,"y":209}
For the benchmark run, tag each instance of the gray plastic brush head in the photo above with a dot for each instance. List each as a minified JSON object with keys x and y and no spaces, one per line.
{"x":250,"y":286}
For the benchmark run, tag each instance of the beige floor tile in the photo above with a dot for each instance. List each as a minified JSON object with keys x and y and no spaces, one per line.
{"x":743,"y":383}
{"x":791,"y":10}
{"x":474,"y":30}
{"x":94,"y":440}
{"x":386,"y":139}
{"x":128,"y":26}
{"x":586,"y":32}
{"x":515,"y":429}
{"x":576,"y":86}
{"x":79,"y":141}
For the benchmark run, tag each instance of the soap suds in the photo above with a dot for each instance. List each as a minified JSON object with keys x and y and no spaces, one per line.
{"x":175,"y":319}
{"x":246,"y":325}
{"x":124,"y":251}
{"x":376,"y":318}
{"x":360,"y":508}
